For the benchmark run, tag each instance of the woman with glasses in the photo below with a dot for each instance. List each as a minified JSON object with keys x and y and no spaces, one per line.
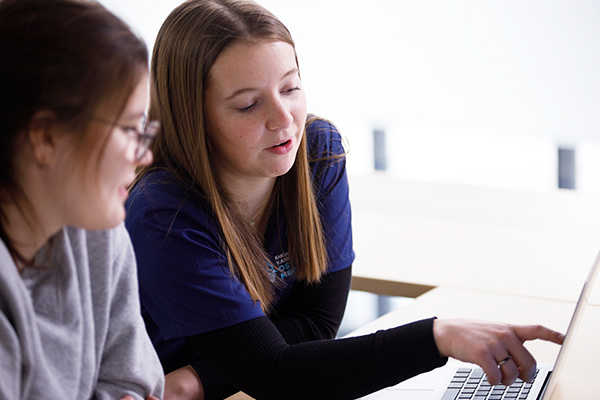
{"x":73,"y":95}
{"x":242,"y":230}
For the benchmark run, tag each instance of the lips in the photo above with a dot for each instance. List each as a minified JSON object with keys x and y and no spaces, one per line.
{"x":282,"y":148}
{"x":283,"y":143}
{"x":123,"y":192}
{"x":124,"y":188}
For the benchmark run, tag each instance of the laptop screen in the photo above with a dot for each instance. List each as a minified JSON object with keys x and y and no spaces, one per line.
{"x":575,"y":374}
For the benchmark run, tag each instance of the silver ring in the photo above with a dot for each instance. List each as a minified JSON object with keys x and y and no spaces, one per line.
{"x":505,"y":360}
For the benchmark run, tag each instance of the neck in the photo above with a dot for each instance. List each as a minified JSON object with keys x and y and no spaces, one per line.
{"x":29,"y":224}
{"x":27,"y":236}
{"x":253,"y":197}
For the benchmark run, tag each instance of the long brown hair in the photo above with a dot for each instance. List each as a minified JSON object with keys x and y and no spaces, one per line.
{"x":68,"y":58}
{"x":188,"y":43}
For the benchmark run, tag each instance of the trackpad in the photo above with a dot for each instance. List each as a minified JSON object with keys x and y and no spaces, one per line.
{"x":401,"y":394}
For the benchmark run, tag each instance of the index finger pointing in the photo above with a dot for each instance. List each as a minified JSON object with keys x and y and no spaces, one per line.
{"x":533,"y":332}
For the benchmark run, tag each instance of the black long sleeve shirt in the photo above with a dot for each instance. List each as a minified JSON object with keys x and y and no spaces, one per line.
{"x":292,"y":354}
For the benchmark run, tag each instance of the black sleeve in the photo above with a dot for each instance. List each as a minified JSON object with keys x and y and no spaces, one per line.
{"x":312,"y":312}
{"x":315,"y":311}
{"x":254,"y":357}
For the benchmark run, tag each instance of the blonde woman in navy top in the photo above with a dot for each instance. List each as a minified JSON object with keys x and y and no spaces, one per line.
{"x":242,"y":230}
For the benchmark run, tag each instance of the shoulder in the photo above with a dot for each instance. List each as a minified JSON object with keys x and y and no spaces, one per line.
{"x":156,"y":187}
{"x":6,"y":262}
{"x":326,"y":155}
{"x":11,"y":285}
{"x":106,"y":253}
{"x":163,"y":211}
{"x":323,"y":138}
{"x":316,"y":124}
{"x":19,"y":338}
{"x":159,"y":198}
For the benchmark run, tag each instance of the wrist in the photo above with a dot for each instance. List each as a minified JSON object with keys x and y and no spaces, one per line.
{"x":183,"y":383}
{"x":439,"y":334}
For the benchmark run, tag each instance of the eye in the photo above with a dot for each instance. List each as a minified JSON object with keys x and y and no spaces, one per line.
{"x":291,"y":90}
{"x":130,"y":130}
{"x":246,"y":109}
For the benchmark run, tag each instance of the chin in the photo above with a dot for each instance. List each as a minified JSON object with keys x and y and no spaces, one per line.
{"x":115,"y":220}
{"x":281,"y":170}
{"x":109,"y":220}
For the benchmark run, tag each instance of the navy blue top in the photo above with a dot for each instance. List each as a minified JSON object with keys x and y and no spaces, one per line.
{"x":186,"y":287}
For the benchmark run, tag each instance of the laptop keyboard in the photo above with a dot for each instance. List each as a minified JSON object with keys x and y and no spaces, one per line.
{"x":471,"y":384}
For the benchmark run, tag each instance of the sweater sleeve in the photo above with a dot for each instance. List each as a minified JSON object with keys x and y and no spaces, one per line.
{"x":128,"y":362}
{"x":254,"y":357}
{"x":17,"y":341}
{"x":10,"y":360}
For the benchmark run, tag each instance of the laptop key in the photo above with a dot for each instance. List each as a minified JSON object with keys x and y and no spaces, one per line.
{"x":477,"y":373}
{"x":450,"y":394}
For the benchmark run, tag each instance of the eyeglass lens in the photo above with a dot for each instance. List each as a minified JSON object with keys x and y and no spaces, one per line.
{"x":146,"y":138}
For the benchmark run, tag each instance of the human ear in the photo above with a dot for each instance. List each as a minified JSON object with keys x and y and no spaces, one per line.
{"x":41,"y":137}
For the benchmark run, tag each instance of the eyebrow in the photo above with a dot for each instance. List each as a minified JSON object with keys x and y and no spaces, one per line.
{"x":133,"y":115}
{"x":245,"y":90}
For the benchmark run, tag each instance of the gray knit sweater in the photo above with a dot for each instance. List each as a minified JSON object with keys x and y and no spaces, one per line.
{"x":72,"y":329}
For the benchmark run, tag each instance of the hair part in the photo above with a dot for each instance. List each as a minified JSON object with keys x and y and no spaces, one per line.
{"x":188,"y":44}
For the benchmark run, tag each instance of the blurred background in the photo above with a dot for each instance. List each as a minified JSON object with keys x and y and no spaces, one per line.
{"x":502,"y":94}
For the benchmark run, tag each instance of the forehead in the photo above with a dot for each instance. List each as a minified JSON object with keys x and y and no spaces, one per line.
{"x":138,"y":100}
{"x":135,"y":102}
{"x":251,"y":64}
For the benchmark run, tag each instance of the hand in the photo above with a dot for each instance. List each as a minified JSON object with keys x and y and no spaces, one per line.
{"x":489,"y":344}
{"x":183,"y":383}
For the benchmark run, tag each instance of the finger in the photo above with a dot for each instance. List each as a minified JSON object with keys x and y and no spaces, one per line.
{"x":533,"y":332}
{"x":521,"y":358}
{"x":128,"y":397}
{"x":510,"y":372}
{"x":493,"y":373}
{"x":498,"y":354}
{"x":526,"y":364}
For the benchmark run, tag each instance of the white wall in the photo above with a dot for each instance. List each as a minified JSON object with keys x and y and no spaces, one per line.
{"x":477,"y":92}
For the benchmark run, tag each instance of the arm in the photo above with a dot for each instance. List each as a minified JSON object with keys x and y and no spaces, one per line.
{"x":128,"y":362}
{"x":315,"y":312}
{"x":10,"y":361}
{"x":312,"y":312}
{"x":255,"y":358}
{"x":19,"y":345}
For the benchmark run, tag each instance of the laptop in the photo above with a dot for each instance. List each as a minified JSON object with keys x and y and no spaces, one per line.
{"x":462,"y":381}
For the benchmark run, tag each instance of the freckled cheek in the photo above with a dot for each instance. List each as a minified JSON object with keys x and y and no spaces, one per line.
{"x":248,"y":135}
{"x":301,"y":106}
{"x":300,"y":120}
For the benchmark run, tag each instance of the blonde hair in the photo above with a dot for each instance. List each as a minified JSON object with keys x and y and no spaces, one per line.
{"x":187,"y":45}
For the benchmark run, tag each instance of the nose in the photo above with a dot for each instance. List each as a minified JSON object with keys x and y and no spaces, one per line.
{"x":279,"y":116}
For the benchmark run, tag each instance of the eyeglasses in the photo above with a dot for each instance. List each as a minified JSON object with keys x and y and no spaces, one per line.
{"x":144,"y":137}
